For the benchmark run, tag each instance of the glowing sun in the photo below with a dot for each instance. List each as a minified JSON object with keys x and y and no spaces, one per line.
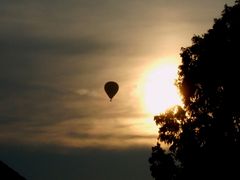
{"x":159,"y":91}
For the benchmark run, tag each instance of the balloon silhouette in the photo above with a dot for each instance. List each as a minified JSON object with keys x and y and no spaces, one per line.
{"x":111,"y":88}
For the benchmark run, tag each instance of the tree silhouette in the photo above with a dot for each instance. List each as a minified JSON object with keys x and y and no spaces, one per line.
{"x":7,"y":173}
{"x":203,"y":136}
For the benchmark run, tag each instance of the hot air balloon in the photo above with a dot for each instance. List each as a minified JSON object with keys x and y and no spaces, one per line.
{"x":111,"y":89}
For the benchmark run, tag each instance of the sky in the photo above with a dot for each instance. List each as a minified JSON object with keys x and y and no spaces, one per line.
{"x":55,"y":57}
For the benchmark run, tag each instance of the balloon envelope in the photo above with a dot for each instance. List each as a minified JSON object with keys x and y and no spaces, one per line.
{"x":111,"y":89}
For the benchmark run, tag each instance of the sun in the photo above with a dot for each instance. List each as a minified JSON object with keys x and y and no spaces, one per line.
{"x":159,"y":91}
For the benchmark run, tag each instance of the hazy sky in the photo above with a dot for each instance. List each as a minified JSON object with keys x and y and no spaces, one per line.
{"x":55,"y":56}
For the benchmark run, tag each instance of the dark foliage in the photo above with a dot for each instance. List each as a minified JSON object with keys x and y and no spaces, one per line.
{"x":7,"y":173}
{"x":203,"y":136}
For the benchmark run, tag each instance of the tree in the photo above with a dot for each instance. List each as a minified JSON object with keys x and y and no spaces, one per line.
{"x":8,"y":173}
{"x":203,"y":136}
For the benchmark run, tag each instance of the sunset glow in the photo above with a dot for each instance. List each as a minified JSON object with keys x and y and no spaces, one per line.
{"x":159,"y":91}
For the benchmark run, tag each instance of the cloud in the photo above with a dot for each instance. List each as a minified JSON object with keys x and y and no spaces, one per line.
{"x":20,"y":45}
{"x":87,"y":92}
{"x":89,"y":131}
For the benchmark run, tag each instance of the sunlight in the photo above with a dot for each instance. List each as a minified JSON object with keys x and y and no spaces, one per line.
{"x":159,"y":91}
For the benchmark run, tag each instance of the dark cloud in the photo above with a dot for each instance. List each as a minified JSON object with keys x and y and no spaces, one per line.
{"x":119,"y":137}
{"x":35,"y":102}
{"x":29,"y":45}
{"x":49,"y":162}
